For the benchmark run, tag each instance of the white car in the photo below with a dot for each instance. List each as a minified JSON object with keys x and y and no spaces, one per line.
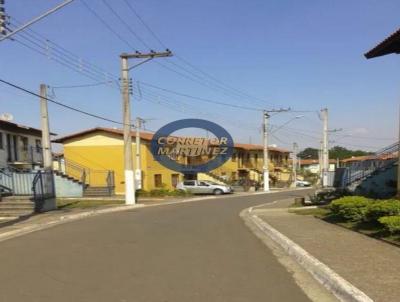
{"x":204,"y":187}
{"x":302,"y":183}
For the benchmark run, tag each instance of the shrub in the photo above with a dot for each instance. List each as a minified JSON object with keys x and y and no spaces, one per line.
{"x":378,"y":209}
{"x":158,"y":192}
{"x":391,"y":223}
{"x":351,"y":208}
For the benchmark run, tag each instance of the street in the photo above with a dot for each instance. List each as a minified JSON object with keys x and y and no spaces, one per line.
{"x":199,"y":251}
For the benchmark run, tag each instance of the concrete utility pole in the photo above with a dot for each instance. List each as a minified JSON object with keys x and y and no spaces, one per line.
{"x":56,"y":8}
{"x":325,"y":152}
{"x":294,"y":164}
{"x":126,"y":87}
{"x":266,"y":159}
{"x":398,"y":163}
{"x":44,"y":121}
{"x":138,"y":170}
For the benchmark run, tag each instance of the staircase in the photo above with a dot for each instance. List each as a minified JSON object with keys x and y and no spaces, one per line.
{"x":211,"y":177}
{"x":97,"y":191}
{"x":95,"y":183}
{"x":66,"y":176}
{"x":372,"y":177}
{"x":13,"y":207}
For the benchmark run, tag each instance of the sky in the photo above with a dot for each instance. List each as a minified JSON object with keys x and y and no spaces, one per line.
{"x":257,"y":54}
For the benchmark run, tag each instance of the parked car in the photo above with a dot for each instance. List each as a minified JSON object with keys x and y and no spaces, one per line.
{"x":204,"y":187}
{"x":302,"y":183}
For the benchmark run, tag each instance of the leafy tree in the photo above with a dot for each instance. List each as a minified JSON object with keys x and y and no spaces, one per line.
{"x":308,"y":153}
{"x":334,"y":153}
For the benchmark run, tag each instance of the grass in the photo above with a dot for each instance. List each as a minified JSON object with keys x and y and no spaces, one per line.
{"x":85,"y":203}
{"x":374,"y":230}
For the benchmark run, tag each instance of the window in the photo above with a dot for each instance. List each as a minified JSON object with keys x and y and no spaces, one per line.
{"x":234,"y":157}
{"x":157,"y":180}
{"x":188,"y":182}
{"x":24,"y":143}
{"x":1,"y":141}
{"x":38,"y":144}
{"x":203,"y":184}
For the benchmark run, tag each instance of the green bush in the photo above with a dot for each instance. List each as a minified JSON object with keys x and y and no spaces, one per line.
{"x":353,"y":208}
{"x":391,"y":223}
{"x":162,"y":193}
{"x":378,"y":209}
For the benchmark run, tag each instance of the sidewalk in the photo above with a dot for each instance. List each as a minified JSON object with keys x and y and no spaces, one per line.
{"x":369,"y":264}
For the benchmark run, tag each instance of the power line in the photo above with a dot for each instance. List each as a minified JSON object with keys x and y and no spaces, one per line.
{"x":98,"y":17}
{"x":81,"y":85}
{"x":200,"y":98}
{"x":31,"y":42}
{"x":156,"y":37}
{"x":60,"y":104}
{"x":53,"y":46}
{"x":198,"y":79}
{"x":126,"y":24}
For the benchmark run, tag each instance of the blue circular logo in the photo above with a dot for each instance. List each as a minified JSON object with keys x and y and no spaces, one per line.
{"x":191,"y":155}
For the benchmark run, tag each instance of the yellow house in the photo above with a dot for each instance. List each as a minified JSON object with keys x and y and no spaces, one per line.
{"x":98,"y":151}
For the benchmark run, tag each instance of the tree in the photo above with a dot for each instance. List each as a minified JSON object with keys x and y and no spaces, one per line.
{"x":308,"y":153}
{"x":334,"y":153}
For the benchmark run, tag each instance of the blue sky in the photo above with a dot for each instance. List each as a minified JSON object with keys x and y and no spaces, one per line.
{"x":300,"y":54}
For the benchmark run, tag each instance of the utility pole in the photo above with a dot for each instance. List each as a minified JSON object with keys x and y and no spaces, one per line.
{"x":138,"y":171}
{"x":398,"y":163}
{"x":294,"y":164}
{"x":325,"y":152}
{"x":44,"y":121}
{"x":320,"y":163}
{"x":266,"y":117}
{"x":49,"y":12}
{"x":126,"y":87}
{"x":266,"y":159}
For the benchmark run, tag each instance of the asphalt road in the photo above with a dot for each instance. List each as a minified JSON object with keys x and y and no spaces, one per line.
{"x":199,"y":251}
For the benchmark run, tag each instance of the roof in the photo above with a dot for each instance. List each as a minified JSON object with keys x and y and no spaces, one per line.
{"x":358,"y":158}
{"x":147,"y":136}
{"x":306,"y":162}
{"x":10,"y":126}
{"x":143,"y":135}
{"x":390,"y":45}
{"x":254,"y":147}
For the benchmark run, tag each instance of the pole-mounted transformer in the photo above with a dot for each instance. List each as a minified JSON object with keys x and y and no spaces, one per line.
{"x":2,"y":19}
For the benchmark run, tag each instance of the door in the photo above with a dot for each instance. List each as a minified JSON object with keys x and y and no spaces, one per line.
{"x":174,"y":180}
{"x":204,"y":188}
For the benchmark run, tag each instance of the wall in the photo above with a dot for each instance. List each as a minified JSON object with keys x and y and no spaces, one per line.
{"x":23,"y":156}
{"x":67,"y":188}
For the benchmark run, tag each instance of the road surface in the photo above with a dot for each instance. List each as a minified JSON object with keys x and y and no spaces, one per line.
{"x":192,"y":252}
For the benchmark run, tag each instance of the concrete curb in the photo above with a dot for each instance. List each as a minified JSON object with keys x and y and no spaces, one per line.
{"x":337,"y":285}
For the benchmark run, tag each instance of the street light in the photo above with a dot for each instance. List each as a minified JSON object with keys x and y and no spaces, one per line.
{"x":289,"y":121}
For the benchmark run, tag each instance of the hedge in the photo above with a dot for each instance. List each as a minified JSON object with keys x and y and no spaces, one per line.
{"x":391,"y":223}
{"x":353,"y":208}
{"x":378,"y":209}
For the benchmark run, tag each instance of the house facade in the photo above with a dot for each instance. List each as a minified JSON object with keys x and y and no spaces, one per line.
{"x":20,"y":146}
{"x":101,"y":149}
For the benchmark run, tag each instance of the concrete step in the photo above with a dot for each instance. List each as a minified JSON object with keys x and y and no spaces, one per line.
{"x":7,"y":208}
{"x":7,"y":218}
{"x":16,"y":213}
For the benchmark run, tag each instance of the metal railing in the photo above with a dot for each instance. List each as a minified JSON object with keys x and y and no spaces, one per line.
{"x":42,"y":188}
{"x":85,"y":175}
{"x":381,"y":159}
